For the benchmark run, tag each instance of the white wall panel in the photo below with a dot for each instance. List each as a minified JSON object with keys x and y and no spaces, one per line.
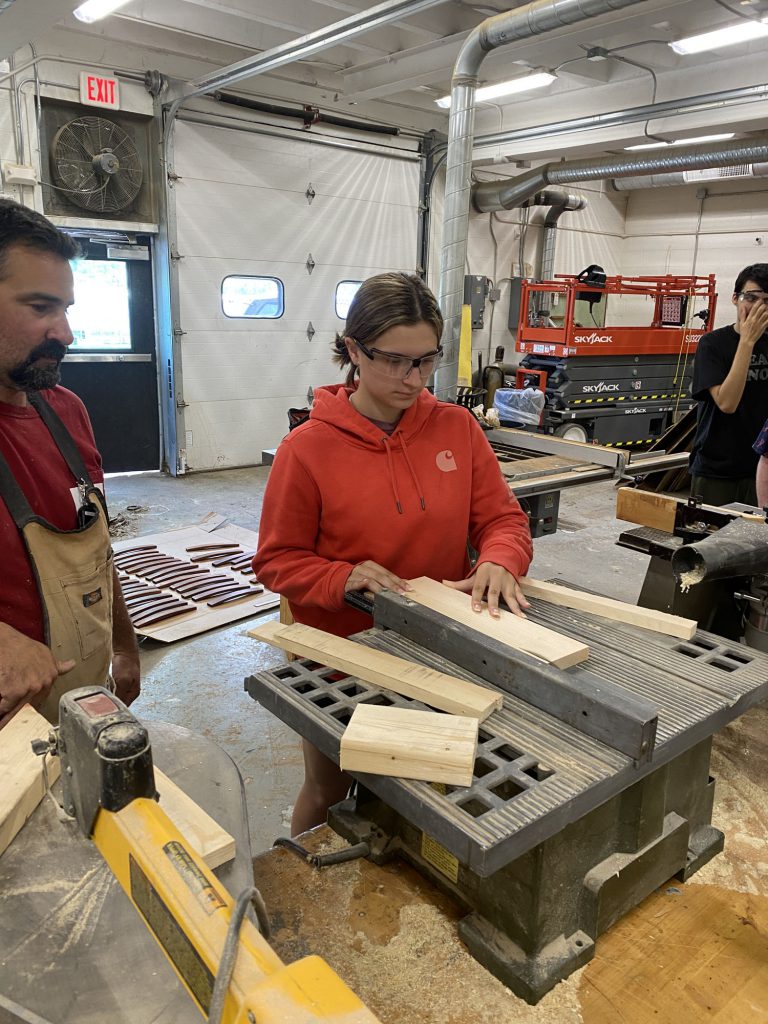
{"x":241,"y":209}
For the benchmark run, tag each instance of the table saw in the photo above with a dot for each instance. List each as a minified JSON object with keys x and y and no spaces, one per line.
{"x":591,"y":785}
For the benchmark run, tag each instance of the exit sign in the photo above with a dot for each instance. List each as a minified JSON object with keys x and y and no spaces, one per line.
{"x":98,"y":91}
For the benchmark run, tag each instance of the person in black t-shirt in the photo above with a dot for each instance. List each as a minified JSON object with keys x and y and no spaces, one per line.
{"x":730,"y":383}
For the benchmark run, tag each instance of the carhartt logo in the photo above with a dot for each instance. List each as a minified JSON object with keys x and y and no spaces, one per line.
{"x":445,"y":461}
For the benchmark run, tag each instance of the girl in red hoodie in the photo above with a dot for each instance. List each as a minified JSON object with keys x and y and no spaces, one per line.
{"x":382,"y":484}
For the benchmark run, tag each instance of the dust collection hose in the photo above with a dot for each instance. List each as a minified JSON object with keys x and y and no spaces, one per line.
{"x":738,"y":549}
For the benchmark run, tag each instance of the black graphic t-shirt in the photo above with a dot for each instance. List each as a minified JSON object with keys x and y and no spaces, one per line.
{"x":722,"y":447}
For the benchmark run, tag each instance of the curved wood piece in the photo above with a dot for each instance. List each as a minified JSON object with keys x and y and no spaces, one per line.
{"x":221,"y":588}
{"x":160,"y":606}
{"x":236,"y":596}
{"x":211,"y":547}
{"x":186,"y":589}
{"x":162,"y":616}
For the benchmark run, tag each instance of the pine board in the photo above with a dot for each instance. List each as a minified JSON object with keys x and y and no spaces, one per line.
{"x":522,"y":634}
{"x":175,"y":543}
{"x":646,"y":509}
{"x":21,"y":771}
{"x":410,"y":744}
{"x":618,"y":611}
{"x":207,"y":838}
{"x":436,"y":689}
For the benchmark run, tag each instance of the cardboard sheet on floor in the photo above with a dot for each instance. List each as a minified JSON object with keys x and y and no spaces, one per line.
{"x":175,"y":543}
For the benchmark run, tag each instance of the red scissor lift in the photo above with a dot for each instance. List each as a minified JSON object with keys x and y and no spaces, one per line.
{"x":614,"y":385}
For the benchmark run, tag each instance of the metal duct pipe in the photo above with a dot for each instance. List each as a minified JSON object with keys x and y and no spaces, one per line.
{"x":738,"y":549}
{"x":558,"y":203}
{"x":533,"y":19}
{"x":677,"y":178}
{"x":514,"y":191}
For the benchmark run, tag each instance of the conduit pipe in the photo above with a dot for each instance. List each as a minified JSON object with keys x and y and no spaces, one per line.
{"x":533,"y":19}
{"x":720,"y":100}
{"x":512,"y":192}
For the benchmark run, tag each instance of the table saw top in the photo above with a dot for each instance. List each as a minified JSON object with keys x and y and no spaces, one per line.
{"x":533,"y":773}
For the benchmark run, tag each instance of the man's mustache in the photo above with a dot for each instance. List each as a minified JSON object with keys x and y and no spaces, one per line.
{"x":50,"y":349}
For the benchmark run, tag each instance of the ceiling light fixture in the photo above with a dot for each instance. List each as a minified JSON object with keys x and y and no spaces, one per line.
{"x":741,"y":33}
{"x":95,"y":10}
{"x":492,"y":92}
{"x":722,"y":137}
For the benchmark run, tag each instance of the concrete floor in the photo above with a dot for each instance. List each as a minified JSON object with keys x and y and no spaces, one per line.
{"x":198,"y":683}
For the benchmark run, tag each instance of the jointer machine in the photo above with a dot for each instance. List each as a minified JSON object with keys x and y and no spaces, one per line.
{"x":591,"y":785}
{"x":708,"y":563}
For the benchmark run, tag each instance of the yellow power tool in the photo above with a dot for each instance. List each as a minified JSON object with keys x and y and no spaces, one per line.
{"x":227,"y":966}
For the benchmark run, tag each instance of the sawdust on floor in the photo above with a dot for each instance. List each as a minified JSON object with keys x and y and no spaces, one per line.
{"x":396,"y":945}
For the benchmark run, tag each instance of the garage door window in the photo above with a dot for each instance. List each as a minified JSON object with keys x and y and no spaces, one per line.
{"x":252,"y":298}
{"x":345,"y":292}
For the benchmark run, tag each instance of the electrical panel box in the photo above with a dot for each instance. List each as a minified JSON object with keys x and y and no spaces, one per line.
{"x":515,"y":289}
{"x":475,"y":293}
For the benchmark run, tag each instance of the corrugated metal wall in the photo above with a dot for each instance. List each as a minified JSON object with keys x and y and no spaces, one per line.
{"x":242,"y":209}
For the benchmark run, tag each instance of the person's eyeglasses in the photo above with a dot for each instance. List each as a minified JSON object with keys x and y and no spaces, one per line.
{"x":399,"y":367}
{"x":752,"y":297}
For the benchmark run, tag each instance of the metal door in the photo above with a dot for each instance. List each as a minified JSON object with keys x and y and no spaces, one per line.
{"x":111,"y":365}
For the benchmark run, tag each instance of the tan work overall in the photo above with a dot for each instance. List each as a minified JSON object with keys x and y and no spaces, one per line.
{"x":73,"y":571}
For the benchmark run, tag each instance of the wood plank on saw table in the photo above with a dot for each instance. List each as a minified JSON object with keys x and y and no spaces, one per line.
{"x":543,"y":643}
{"x":410,"y":744}
{"x":21,"y":771}
{"x":437,"y":689}
{"x":206,"y":837}
{"x":618,"y":611}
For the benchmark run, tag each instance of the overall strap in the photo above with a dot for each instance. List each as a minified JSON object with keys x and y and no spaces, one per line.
{"x":62,"y":437}
{"x":11,"y":493}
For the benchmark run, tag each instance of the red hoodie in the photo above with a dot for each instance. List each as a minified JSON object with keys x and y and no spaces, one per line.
{"x":341,"y":491}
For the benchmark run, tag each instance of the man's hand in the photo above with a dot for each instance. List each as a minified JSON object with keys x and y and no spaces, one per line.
{"x":126,"y":673}
{"x":751,"y":323}
{"x":495,"y":581}
{"x":375,"y":578}
{"x":28,"y":670}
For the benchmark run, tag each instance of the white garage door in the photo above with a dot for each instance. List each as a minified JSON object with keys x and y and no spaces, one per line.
{"x":242,"y":210}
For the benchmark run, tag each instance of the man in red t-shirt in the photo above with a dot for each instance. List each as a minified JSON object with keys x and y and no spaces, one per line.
{"x":36,"y":288}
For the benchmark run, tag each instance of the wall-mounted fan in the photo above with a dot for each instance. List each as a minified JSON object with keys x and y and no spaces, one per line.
{"x":96,"y":164}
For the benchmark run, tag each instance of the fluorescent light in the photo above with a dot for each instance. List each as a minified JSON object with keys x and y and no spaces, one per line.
{"x":741,"y":33}
{"x":492,"y":92}
{"x":704,"y":138}
{"x":94,"y":10}
{"x":647,"y":145}
{"x":681,"y":142}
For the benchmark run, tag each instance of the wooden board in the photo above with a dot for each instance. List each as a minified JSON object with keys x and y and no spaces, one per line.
{"x":410,"y":744}
{"x":522,"y":634}
{"x":646,"y":509}
{"x":175,"y":543}
{"x":437,"y":689}
{"x":658,"y":510}
{"x":207,"y":838}
{"x":618,"y":611}
{"x":21,"y":771}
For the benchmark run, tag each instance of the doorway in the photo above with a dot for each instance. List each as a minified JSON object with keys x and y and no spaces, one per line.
{"x":112,"y":365}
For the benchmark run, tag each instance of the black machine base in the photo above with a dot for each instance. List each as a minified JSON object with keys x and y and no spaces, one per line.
{"x":536,"y":920}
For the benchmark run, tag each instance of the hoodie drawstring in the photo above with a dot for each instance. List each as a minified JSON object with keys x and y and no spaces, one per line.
{"x":392,"y":477}
{"x":409,"y":464}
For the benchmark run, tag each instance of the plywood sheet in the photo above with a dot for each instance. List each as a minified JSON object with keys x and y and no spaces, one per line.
{"x":175,"y":543}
